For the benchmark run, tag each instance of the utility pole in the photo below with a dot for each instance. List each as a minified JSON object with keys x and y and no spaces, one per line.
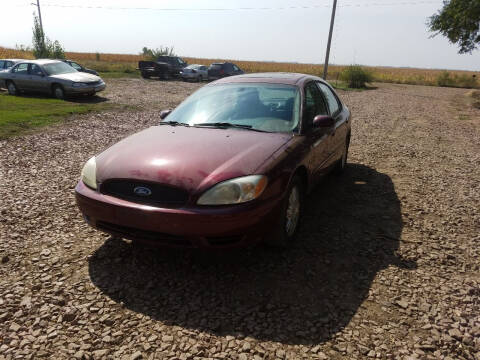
{"x":332,"y":20}
{"x":40,"y":19}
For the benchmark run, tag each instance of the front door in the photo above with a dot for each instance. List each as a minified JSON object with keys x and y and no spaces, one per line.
{"x":37,"y":79}
{"x":335,"y":109}
{"x":318,"y":139}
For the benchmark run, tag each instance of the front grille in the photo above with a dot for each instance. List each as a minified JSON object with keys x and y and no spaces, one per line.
{"x":94,"y":83}
{"x":145,"y":235}
{"x":161,"y":195}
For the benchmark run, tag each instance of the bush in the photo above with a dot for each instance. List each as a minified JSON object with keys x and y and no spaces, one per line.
{"x":356,"y":76}
{"x":153,"y":54}
{"x":464,"y":81}
{"x":444,"y":79}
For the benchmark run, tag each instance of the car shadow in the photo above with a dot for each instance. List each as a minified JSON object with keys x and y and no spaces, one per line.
{"x":95,"y":99}
{"x":303,"y":295}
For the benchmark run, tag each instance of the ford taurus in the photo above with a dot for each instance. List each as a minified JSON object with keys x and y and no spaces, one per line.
{"x":231,"y":165}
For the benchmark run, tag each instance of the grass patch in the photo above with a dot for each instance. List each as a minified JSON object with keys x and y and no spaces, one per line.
{"x":22,"y":114}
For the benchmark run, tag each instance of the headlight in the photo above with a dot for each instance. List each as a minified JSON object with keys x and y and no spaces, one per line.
{"x":78,"y":84}
{"x":234,"y":191}
{"x":89,"y":173}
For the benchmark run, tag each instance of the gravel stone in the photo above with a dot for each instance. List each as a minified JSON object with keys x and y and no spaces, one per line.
{"x":385,"y":265}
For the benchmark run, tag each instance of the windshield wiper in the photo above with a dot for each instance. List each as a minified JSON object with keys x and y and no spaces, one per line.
{"x":173,"y":123}
{"x":227,"y":125}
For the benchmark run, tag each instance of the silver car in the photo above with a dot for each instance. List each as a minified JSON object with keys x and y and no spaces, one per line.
{"x":194,"y":72}
{"x":50,"y":77}
{"x":8,"y":63}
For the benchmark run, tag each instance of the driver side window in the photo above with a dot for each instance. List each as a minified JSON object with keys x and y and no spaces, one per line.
{"x":35,"y":70}
{"x":314,"y":104}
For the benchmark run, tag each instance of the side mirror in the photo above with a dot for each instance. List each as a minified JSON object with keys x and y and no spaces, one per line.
{"x":194,"y":71}
{"x":323,"y":121}
{"x":165,"y":113}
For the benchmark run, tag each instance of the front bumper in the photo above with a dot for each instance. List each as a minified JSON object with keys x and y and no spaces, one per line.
{"x":189,"y":76}
{"x":85,"y":89}
{"x":190,"y":226}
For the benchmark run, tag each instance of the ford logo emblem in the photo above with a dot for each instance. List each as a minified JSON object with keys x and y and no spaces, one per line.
{"x":142,"y":191}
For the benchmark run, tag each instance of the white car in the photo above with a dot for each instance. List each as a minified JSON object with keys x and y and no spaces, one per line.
{"x":8,"y":63}
{"x":194,"y":72}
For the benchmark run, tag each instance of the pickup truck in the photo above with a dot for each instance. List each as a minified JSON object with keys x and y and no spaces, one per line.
{"x":165,"y":67}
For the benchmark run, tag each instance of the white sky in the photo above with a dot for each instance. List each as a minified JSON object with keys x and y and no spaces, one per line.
{"x":368,"y":32}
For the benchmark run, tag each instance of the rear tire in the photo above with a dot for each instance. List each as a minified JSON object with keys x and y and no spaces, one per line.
{"x":166,"y":76}
{"x":58,"y":92}
{"x":12,"y":88}
{"x":292,"y":209}
{"x":145,"y":76}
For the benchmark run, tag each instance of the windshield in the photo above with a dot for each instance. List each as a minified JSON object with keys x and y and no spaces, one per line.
{"x":58,"y":68}
{"x":265,"y":107}
{"x":194,"y":66}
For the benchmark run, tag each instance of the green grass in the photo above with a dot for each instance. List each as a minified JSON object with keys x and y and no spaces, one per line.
{"x":22,"y":114}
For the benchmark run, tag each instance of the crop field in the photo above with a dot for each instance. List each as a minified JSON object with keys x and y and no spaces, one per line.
{"x":127,"y":63}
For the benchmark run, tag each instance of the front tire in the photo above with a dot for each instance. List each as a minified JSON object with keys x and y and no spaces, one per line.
{"x":12,"y":88}
{"x":58,"y":92}
{"x":292,"y":210}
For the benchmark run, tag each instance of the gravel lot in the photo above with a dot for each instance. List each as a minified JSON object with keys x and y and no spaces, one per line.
{"x":386,"y":265}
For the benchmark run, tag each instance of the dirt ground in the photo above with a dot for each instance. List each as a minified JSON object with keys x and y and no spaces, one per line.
{"x":386,"y":266}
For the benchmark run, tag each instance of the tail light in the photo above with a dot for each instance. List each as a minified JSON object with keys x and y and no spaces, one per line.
{"x":221,"y":72}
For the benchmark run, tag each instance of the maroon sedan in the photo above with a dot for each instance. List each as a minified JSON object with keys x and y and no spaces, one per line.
{"x":229,"y":166}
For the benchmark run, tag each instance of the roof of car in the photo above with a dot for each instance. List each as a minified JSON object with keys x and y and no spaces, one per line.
{"x":272,"y":77}
{"x":42,"y":61}
{"x":14,"y":60}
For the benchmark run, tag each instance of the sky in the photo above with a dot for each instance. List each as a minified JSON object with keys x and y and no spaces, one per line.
{"x":367,"y":32}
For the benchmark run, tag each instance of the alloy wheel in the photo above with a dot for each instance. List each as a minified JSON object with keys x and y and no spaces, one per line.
{"x":12,"y":89}
{"x":59,"y":94}
{"x":293,"y":211}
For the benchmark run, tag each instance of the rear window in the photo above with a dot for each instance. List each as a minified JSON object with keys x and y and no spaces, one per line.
{"x":215,"y":66}
{"x":2,"y":63}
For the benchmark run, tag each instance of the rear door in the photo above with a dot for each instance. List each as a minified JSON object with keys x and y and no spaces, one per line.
{"x":229,"y":69}
{"x":318,"y":140}
{"x":20,"y":76}
{"x":340,"y":117}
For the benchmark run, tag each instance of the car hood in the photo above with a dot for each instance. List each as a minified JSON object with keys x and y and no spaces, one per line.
{"x":77,"y":77}
{"x":192,"y":158}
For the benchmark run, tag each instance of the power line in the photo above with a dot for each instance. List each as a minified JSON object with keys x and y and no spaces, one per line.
{"x":297,"y":7}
